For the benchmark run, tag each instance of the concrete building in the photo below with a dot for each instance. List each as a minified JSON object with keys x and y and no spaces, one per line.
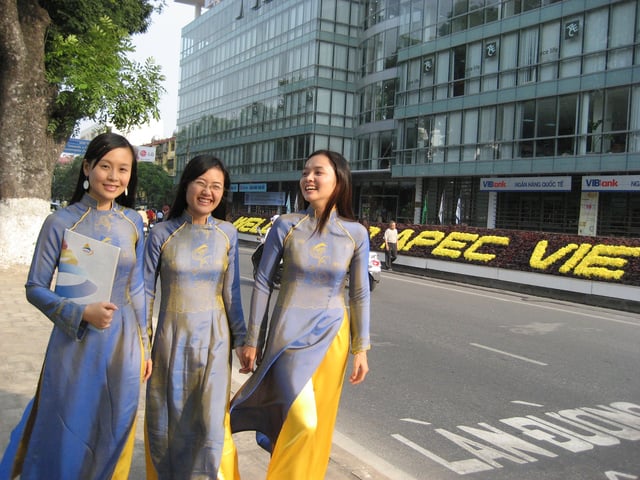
{"x":165,"y":154}
{"x":518,"y":114}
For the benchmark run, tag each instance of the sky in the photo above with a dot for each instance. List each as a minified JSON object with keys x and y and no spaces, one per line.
{"x":162,"y":42}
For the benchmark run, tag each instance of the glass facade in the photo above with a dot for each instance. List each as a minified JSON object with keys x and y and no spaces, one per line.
{"x":425,"y":98}
{"x":263,"y":85}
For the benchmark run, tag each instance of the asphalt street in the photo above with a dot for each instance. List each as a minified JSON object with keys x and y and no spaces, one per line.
{"x":473,"y":382}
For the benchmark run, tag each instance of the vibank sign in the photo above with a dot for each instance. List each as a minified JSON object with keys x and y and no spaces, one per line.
{"x":526,"y":184}
{"x":607,"y":183}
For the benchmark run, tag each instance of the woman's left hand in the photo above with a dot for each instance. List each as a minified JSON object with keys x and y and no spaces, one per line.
{"x":360,"y":368}
{"x":247,"y":356}
{"x":148,"y":367}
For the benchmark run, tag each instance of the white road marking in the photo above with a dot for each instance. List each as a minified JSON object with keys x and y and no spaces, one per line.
{"x":519,"y":301}
{"x":368,"y":457}
{"x":520,"y":402}
{"x":613,"y":475}
{"x":413,"y":420}
{"x":461,"y":467}
{"x":509,"y":354}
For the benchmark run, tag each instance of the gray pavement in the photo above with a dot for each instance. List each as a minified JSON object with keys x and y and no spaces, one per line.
{"x":24,"y":333}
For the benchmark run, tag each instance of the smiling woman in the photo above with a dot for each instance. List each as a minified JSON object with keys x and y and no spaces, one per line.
{"x":292,"y":398}
{"x":194,"y":253}
{"x":94,"y":348}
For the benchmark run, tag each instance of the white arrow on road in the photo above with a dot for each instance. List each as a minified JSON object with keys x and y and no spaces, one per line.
{"x":611,"y":475}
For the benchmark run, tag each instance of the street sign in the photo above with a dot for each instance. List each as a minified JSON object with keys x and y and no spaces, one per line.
{"x":76,"y":146}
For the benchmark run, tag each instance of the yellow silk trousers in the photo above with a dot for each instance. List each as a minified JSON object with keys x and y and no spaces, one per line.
{"x":304,"y":444}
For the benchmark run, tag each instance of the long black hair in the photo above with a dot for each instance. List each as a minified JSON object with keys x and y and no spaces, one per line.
{"x":341,"y":196}
{"x":98,"y":148}
{"x":197,"y":166}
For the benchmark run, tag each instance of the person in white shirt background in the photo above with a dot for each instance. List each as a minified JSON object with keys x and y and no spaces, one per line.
{"x":390,"y":244}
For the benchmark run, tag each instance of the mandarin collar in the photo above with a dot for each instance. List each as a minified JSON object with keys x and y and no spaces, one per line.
{"x":312,"y":213}
{"x":186,"y":217}
{"x":88,"y":201}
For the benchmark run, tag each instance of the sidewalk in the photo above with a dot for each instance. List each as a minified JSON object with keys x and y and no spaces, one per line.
{"x":24,"y":333}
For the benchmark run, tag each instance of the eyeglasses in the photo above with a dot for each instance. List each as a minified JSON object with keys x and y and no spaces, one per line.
{"x":212,"y":187}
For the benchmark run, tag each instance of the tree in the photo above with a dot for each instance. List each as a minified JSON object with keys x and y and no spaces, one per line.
{"x":155,"y":186}
{"x":65,"y":176}
{"x":62,"y":61}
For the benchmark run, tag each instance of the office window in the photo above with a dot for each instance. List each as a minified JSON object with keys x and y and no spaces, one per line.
{"x":546,"y":127}
{"x":340,"y":62}
{"x":445,"y":13}
{"x":442,"y":75}
{"x":427,"y":75}
{"x":550,"y":51}
{"x":454,"y":131}
{"x":458,"y":70}
{"x":325,"y":56}
{"x":328,"y":10}
{"x":527,"y":114}
{"x":487,"y":134}
{"x":508,"y":60}
{"x":567,"y":125}
{"x":430,"y":12}
{"x":506,"y":122}
{"x":490,"y":63}
{"x":337,"y":108}
{"x":438,"y":138}
{"x":621,"y":30}
{"x":607,"y":120}
{"x":470,"y":135}
{"x":528,"y":56}
{"x":472,"y":68}
{"x":476,"y":13}
{"x":595,"y":40}
{"x":634,"y":138}
{"x":459,"y":17}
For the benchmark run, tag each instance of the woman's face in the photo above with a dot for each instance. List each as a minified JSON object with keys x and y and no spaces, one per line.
{"x":204,"y":194}
{"x":110,"y":176}
{"x":318,"y":181}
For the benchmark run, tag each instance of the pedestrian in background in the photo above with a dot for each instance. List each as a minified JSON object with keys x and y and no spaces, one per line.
{"x":390,"y":244}
{"x":292,"y":399}
{"x":81,"y":421}
{"x":195,"y":255}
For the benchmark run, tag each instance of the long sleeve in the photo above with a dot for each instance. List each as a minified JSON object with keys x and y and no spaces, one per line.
{"x":64,"y":313}
{"x":152,"y":258}
{"x":263,"y":285}
{"x":137,"y":289}
{"x":359,"y":295}
{"x":231,"y":293}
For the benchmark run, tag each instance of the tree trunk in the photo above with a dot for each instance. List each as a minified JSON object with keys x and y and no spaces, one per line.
{"x":28,"y":152}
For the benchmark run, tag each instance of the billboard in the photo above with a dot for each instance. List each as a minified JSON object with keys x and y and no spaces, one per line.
{"x":526,"y":184}
{"x":146,"y":154}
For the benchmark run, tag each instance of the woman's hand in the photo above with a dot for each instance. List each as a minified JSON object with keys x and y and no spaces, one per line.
{"x":360,"y":368}
{"x":99,"y":314}
{"x":247,"y":356}
{"x":148,"y":368}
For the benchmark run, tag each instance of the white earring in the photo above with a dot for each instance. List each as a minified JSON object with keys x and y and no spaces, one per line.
{"x":126,"y":191}
{"x":85,"y":184}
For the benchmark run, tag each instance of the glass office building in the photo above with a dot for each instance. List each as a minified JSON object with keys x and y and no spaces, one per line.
{"x":520,"y":114}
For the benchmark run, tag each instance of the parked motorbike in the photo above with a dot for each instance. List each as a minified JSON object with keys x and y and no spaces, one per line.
{"x":375,"y":266}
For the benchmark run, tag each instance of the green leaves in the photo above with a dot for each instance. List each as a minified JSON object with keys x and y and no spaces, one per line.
{"x":155,"y":186}
{"x":96,"y":80}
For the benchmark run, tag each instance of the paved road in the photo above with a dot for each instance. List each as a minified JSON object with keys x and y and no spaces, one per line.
{"x":484,"y":384}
